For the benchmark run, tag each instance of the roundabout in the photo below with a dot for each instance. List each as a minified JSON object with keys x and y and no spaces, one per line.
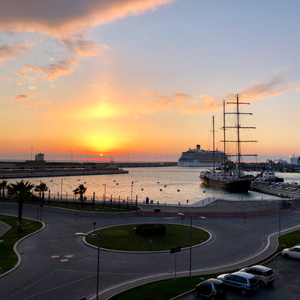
{"x":125,"y":238}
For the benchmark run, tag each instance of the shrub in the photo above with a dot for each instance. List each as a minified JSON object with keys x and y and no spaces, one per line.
{"x":150,"y":229}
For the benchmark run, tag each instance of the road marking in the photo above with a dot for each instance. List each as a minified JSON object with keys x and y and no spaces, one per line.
{"x":64,"y":260}
{"x":55,"y":256}
{"x":69,"y":255}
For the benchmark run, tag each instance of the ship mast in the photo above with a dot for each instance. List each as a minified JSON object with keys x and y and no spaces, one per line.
{"x":238,"y":127}
{"x":214,"y":147}
{"x":224,"y":138}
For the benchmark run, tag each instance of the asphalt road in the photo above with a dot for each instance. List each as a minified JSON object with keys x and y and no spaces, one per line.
{"x":286,"y":284}
{"x":57,"y":264}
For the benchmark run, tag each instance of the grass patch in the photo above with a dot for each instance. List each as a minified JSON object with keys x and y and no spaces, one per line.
{"x":8,"y":258}
{"x":158,"y":290}
{"x":124,"y":238}
{"x":289,"y":240}
{"x":167,"y":289}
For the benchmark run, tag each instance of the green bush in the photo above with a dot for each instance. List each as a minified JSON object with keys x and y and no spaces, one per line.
{"x":150,"y":229}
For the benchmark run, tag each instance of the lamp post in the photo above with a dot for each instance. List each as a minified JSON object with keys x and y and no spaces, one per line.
{"x":182,"y":216}
{"x":132,"y":182}
{"x":104,"y":195}
{"x":98,"y":258}
{"x":191,"y":236}
{"x":279,"y":220}
{"x":61,"y":188}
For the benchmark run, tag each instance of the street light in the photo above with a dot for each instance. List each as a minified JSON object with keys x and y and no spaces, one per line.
{"x":191,"y":237}
{"x":182,"y":216}
{"x":132,"y":182}
{"x":98,"y":258}
{"x":104,"y":195}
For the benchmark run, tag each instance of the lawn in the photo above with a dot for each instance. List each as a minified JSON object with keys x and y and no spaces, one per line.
{"x":8,"y":258}
{"x":124,"y":238}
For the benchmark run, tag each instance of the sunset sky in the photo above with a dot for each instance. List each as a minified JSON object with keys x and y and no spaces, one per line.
{"x":141,"y":79}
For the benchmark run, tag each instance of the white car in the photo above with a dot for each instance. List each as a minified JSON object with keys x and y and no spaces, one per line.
{"x":263,"y":274}
{"x":293,"y":252}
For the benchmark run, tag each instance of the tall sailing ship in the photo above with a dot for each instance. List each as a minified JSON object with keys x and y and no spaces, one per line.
{"x":230,"y":178}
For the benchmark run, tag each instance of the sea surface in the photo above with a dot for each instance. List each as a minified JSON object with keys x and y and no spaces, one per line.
{"x":170,"y":185}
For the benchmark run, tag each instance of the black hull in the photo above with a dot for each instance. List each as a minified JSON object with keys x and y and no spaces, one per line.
{"x":234,"y":186}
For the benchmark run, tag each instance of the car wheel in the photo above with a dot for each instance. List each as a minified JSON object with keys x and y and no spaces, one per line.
{"x":261,"y":284}
{"x":212,"y":298}
{"x":196,"y":293}
{"x":286,"y":255}
{"x":244,"y":292}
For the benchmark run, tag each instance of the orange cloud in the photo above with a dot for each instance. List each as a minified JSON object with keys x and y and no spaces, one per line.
{"x":25,"y":76}
{"x":51,"y":71}
{"x":79,"y":45}
{"x":9,"y":52}
{"x":31,"y":104}
{"x":182,"y":103}
{"x":58,"y":17}
{"x":266,"y":90}
{"x":20,"y":97}
{"x":5,"y":78}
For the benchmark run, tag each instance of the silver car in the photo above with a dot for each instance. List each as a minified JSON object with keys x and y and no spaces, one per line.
{"x":293,"y":252}
{"x":263,"y":274}
{"x":244,"y":282}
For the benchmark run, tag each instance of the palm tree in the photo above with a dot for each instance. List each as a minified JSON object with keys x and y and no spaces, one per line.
{"x":3,"y":186}
{"x":80,"y":190}
{"x":21,"y":191}
{"x":42,"y":188}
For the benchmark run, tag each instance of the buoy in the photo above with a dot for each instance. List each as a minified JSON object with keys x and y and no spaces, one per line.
{"x":142,"y":189}
{"x":160,"y":189}
{"x":178,"y":190}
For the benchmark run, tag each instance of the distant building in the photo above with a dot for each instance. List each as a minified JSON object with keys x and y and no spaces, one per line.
{"x":39,"y":157}
{"x":295,"y":160}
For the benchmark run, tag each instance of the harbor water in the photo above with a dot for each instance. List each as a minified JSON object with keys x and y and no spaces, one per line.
{"x":170,"y":185}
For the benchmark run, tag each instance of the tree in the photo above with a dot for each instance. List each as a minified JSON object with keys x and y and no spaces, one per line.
{"x":3,"y":186}
{"x":42,"y":188}
{"x":81,"y":189}
{"x":22,"y":192}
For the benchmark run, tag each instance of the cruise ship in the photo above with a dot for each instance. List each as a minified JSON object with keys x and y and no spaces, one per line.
{"x":201,"y":158}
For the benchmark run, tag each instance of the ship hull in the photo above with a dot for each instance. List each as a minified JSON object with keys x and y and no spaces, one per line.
{"x":196,"y":164}
{"x":235,"y":186}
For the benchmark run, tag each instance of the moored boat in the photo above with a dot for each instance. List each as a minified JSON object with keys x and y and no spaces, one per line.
{"x":231,"y":177}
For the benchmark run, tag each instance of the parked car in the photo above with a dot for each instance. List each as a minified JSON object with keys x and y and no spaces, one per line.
{"x":293,"y":252}
{"x":244,"y":282}
{"x":263,"y":274}
{"x":211,"y":288}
